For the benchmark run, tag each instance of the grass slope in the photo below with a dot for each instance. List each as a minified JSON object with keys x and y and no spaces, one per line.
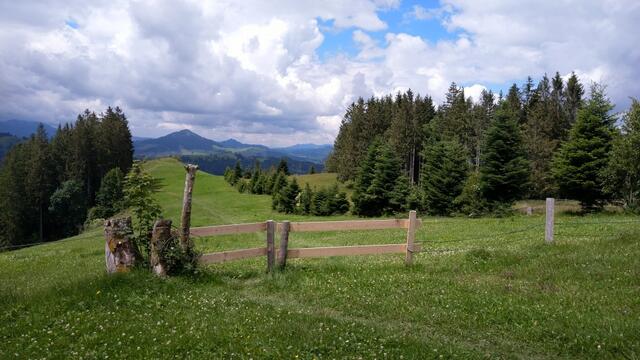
{"x":483,"y":288}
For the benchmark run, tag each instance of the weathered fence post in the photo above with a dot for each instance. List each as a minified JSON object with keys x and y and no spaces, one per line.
{"x":120,"y":251}
{"x":284,"y":244}
{"x":159,"y":238}
{"x":548,"y":229}
{"x":529,"y":211}
{"x":411,"y":237}
{"x":185,"y":219}
{"x":271,"y":256}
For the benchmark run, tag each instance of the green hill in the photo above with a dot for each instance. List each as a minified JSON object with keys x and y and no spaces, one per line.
{"x":483,"y":288}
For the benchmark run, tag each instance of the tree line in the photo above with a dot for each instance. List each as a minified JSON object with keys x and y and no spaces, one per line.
{"x":540,"y":140}
{"x":286,"y":195}
{"x":48,"y":188}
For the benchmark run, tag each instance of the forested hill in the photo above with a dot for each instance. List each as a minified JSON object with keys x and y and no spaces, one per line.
{"x":214,"y":157}
{"x":550,"y":139}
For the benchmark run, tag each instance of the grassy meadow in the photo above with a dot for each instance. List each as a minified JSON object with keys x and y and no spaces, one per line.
{"x":485,"y":287}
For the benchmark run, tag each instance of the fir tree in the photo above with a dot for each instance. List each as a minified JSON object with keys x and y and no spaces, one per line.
{"x":622,"y":175}
{"x":68,"y":207}
{"x":361,"y":201}
{"x":504,"y":172}
{"x":283,"y":167}
{"x":304,"y":202}
{"x":444,"y":172}
{"x":287,"y":197}
{"x":109,"y":199}
{"x":579,"y":164}
{"x":385,"y":173}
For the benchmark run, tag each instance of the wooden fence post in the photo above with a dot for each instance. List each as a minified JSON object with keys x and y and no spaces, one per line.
{"x":411,"y":237}
{"x":159,"y":238}
{"x":284,"y":244}
{"x":548,"y":229}
{"x":529,"y":211}
{"x":271,"y":258}
{"x":185,"y":219}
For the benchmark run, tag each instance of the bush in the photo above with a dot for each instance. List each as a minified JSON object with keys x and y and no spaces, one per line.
{"x":176,"y":260}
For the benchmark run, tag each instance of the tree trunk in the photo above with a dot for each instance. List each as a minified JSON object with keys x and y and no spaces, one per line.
{"x":121,"y":253}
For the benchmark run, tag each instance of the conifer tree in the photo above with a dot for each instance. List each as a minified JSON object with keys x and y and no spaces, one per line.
{"x":504,"y":172}
{"x":385,"y":173}
{"x":444,"y":173}
{"x":361,"y":200}
{"x":287,"y":197}
{"x":283,"y":167}
{"x":304,"y":205}
{"x":581,"y":160}
{"x":110,"y":197}
{"x":67,"y":206}
{"x":622,"y":175}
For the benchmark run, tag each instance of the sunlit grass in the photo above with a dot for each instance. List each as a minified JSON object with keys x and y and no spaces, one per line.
{"x":482,"y":288}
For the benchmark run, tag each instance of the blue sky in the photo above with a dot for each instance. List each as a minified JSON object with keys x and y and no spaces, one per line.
{"x":285,"y":73}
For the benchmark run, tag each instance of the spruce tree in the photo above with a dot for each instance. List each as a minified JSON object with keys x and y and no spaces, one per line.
{"x":287,"y":197}
{"x":581,"y":160}
{"x":361,"y":200}
{"x":385,"y":173}
{"x":622,"y":175}
{"x":304,"y":205}
{"x":444,"y":172}
{"x":67,"y":206}
{"x":504,"y":172}
{"x":110,"y":197}
{"x":283,"y":167}
{"x":398,"y":198}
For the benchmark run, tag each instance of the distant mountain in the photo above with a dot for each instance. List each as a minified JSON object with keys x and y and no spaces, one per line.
{"x":186,"y":142}
{"x":183,"y":142}
{"x":215,"y":156}
{"x":235,"y":144}
{"x":312,"y":152}
{"x":24,"y":128}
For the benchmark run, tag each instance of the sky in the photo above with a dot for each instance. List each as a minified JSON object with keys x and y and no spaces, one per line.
{"x":283,"y":72}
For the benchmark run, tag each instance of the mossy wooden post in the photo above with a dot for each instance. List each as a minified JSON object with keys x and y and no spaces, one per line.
{"x":120,"y":252}
{"x":159,"y":238}
{"x":271,"y":250}
{"x":411,"y":237}
{"x":284,"y":244}
{"x":548,"y":229}
{"x":185,"y":219}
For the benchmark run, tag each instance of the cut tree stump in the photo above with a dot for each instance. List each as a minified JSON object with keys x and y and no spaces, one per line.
{"x":159,"y":238}
{"x":120,"y":252}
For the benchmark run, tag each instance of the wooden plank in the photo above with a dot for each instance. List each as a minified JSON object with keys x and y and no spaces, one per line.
{"x":228,"y":229}
{"x":349,"y":225}
{"x":411,"y":237}
{"x":230,"y":255}
{"x":349,"y":250}
{"x":284,"y":244}
{"x":271,"y":249}
{"x":548,"y":229}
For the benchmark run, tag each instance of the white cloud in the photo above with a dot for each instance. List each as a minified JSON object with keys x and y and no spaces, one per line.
{"x":251,"y":70}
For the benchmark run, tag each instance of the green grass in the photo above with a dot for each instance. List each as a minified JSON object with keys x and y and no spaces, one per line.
{"x":483,"y":288}
{"x":320,"y":180}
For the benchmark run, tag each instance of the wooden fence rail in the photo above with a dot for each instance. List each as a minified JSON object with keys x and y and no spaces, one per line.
{"x":283,"y":253}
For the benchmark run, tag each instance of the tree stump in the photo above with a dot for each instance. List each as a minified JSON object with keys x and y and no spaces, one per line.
{"x":159,"y":238}
{"x":121,"y":253}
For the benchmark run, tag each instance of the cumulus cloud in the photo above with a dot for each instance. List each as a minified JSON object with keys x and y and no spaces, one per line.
{"x":251,"y":69}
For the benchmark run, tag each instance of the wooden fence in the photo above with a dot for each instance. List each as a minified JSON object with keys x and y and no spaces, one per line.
{"x":285,"y":228}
